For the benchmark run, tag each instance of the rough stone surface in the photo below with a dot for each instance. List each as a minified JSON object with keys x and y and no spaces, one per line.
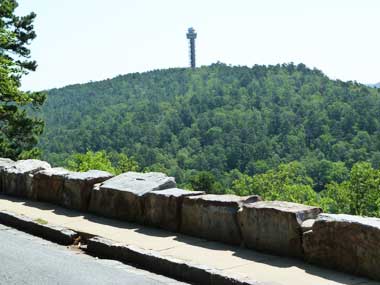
{"x":163,"y":208}
{"x":307,"y":225}
{"x":48,"y":185}
{"x":17,"y":178}
{"x":4,"y":162}
{"x":213,"y":217}
{"x":121,"y":196}
{"x":345,"y":242}
{"x":275,"y":226}
{"x":78,"y":186}
{"x":53,"y":233}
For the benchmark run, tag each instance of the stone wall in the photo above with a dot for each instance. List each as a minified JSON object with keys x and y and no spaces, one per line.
{"x":344,"y":242}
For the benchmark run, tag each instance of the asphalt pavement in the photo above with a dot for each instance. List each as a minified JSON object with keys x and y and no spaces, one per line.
{"x":25,"y":259}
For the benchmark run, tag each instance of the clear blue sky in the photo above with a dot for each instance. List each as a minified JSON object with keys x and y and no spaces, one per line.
{"x":83,"y":40}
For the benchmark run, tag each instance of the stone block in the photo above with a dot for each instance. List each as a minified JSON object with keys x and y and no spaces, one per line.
{"x":77,"y":187}
{"x":345,"y":242}
{"x":163,"y":208}
{"x":121,"y":196}
{"x":48,"y":185}
{"x":4,"y":162}
{"x":275,"y":226}
{"x":213,"y":217}
{"x":17,"y":178}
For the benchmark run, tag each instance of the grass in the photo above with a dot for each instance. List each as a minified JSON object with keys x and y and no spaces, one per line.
{"x":41,"y":221}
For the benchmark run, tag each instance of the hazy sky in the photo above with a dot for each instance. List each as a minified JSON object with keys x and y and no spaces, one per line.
{"x":83,"y":40}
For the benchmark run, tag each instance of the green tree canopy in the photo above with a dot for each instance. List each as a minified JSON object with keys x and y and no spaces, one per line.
{"x":113,"y":162}
{"x":219,"y":119}
{"x":359,"y":195}
{"x":18,"y":130}
{"x":288,"y":182}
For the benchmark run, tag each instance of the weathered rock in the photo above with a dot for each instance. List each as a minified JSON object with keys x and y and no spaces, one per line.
{"x":275,"y":226}
{"x":78,"y":186}
{"x":17,"y":178}
{"x":48,"y":185}
{"x":307,"y":225}
{"x":213,"y":217}
{"x":163,"y":208}
{"x":121,"y":196}
{"x":345,"y":242}
{"x":4,"y":162}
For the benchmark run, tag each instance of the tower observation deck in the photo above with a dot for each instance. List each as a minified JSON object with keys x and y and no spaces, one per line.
{"x":192,"y":35}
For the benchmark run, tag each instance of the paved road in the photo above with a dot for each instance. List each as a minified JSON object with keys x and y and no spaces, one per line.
{"x":25,"y":259}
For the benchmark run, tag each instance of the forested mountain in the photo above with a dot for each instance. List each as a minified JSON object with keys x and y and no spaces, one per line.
{"x":376,"y":85}
{"x":226,"y":120}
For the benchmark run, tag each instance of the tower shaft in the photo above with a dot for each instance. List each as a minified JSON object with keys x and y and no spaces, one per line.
{"x":192,"y":53}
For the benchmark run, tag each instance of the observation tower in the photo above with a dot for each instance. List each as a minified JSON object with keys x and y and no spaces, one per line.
{"x":192,"y":35}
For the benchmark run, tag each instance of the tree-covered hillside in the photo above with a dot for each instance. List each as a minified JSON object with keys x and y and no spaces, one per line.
{"x":217,"y":122}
